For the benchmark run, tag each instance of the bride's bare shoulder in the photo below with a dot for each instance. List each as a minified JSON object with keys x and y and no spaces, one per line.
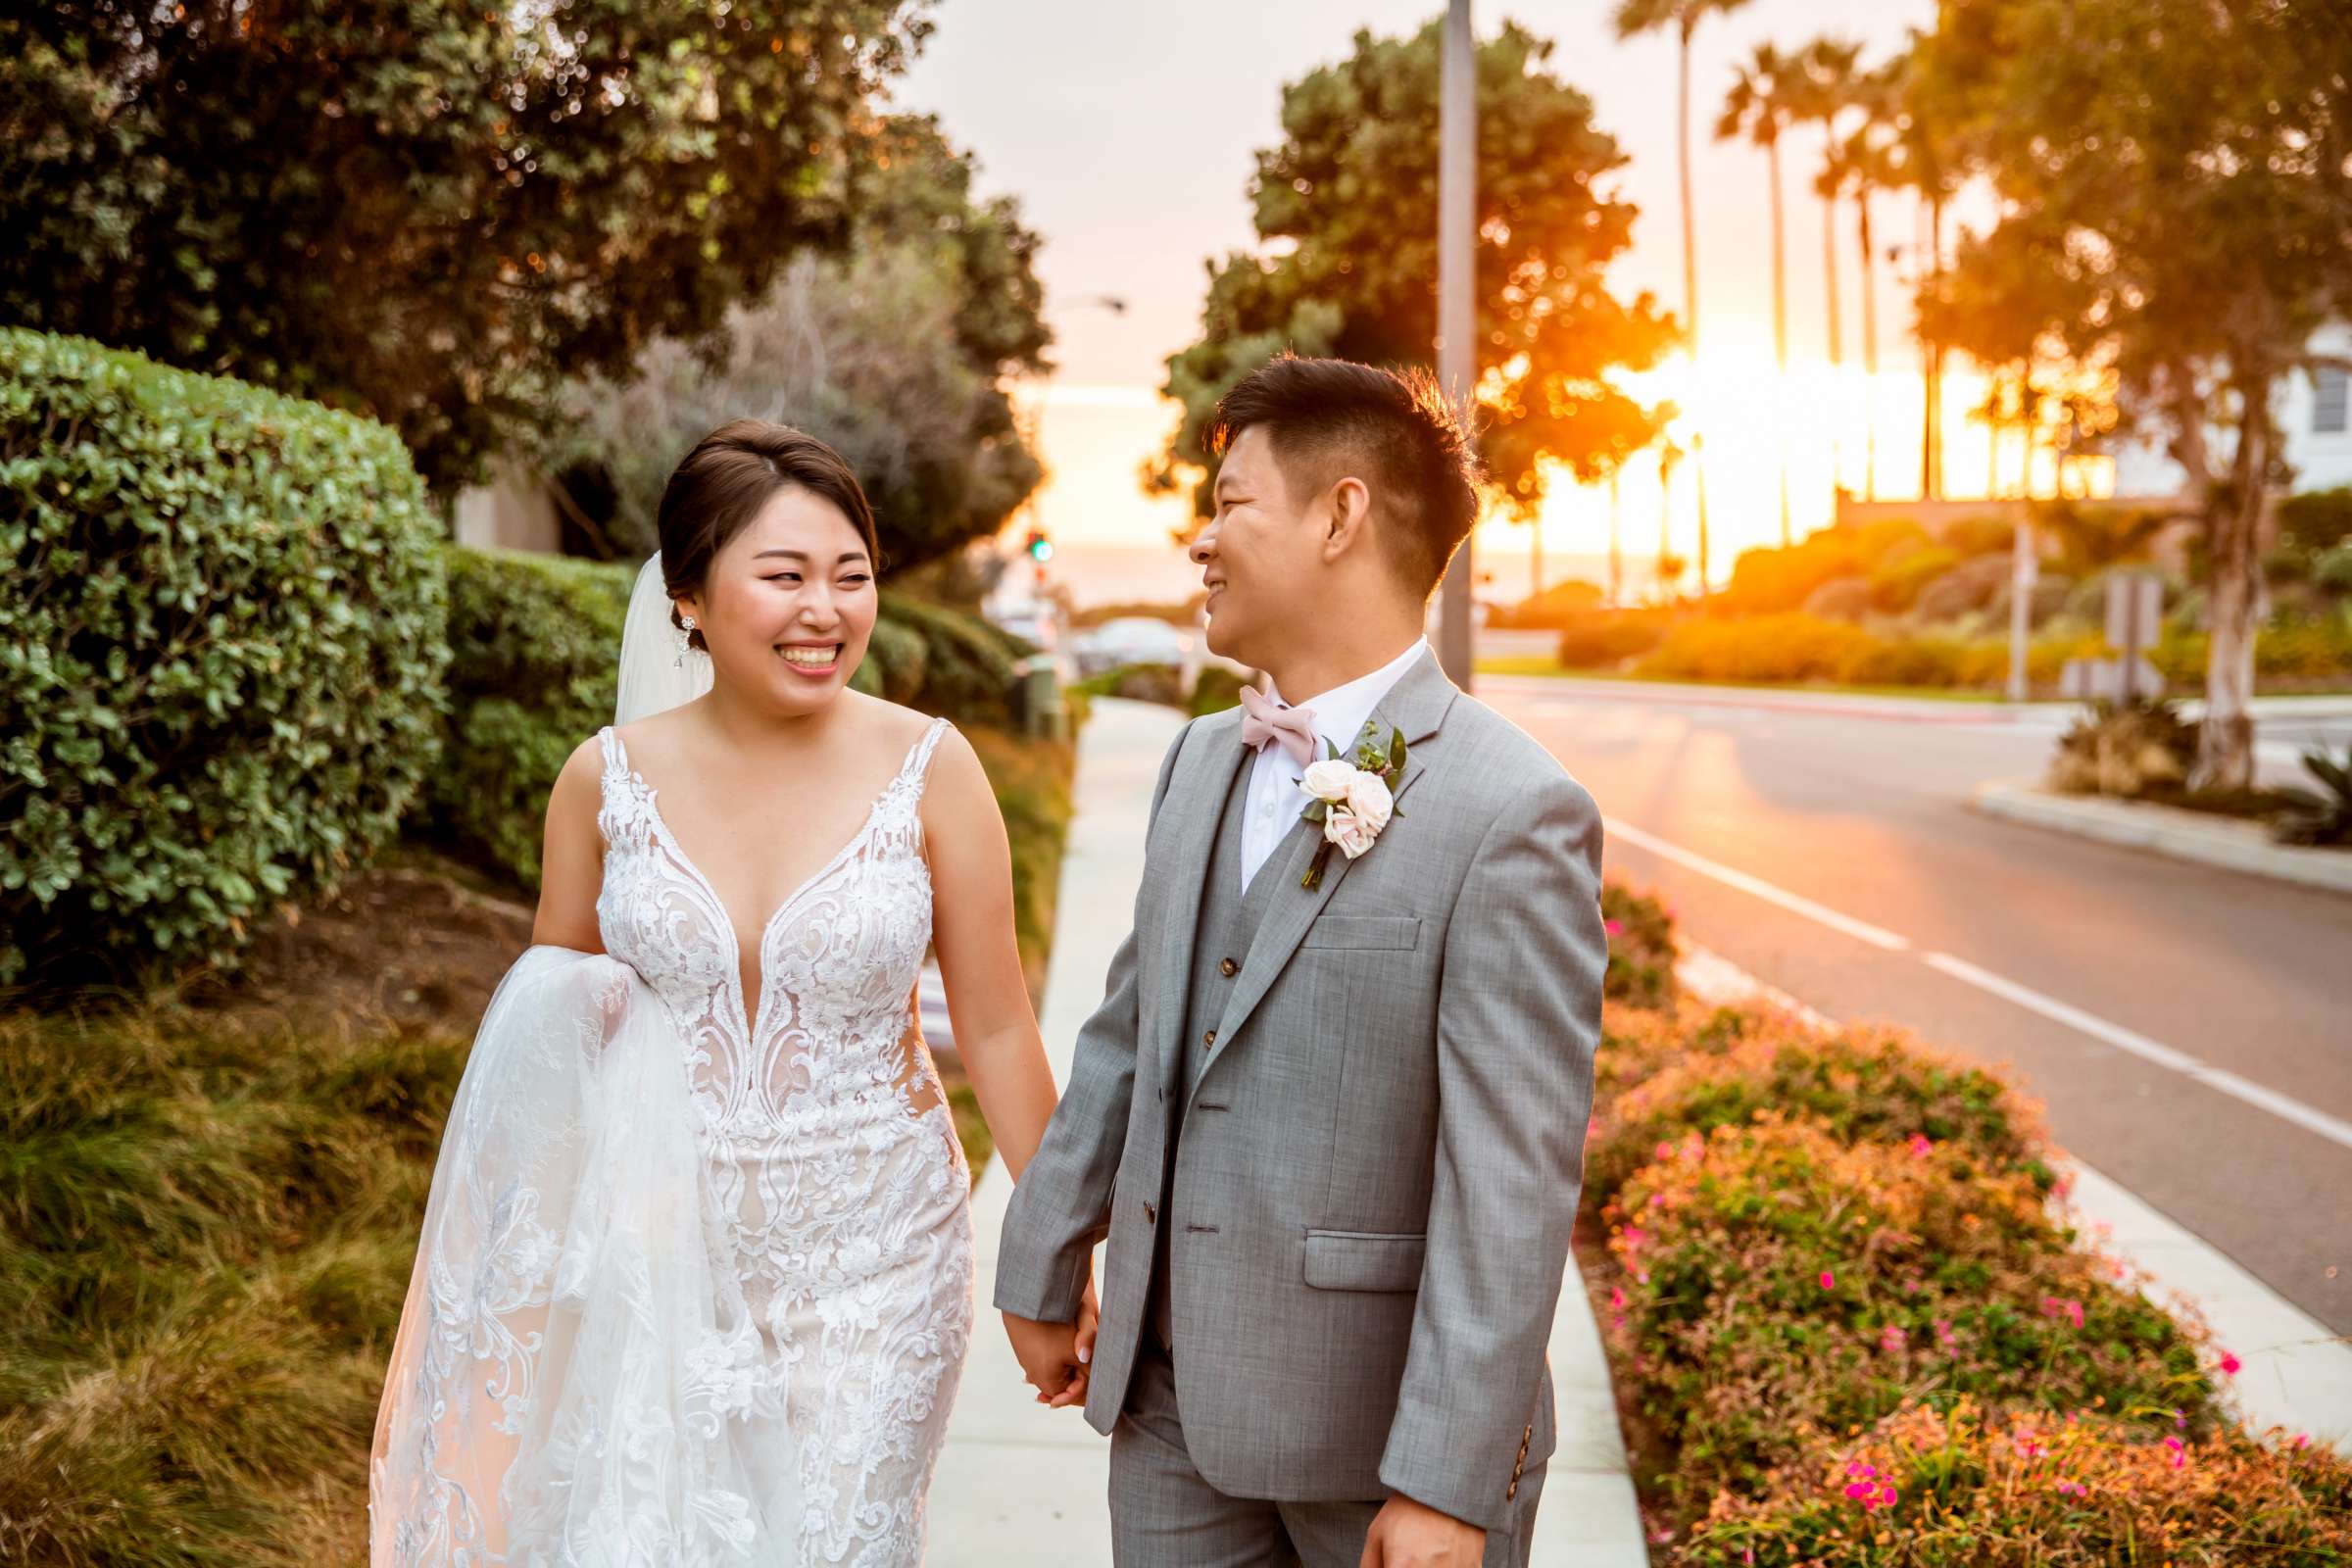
{"x":894,"y":727}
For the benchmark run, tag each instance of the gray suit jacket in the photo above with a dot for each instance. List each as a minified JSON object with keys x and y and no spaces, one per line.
{"x":1380,"y":1162}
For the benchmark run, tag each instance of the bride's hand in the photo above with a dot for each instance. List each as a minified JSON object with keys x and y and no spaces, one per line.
{"x":1090,"y":1319}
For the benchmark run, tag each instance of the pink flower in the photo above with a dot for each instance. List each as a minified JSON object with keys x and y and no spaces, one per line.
{"x":2178,"y":1450}
{"x":1920,"y":1147}
{"x":2069,"y":1309}
{"x":1829,"y":1281}
{"x":1664,"y":1150}
{"x":1617,"y":1297}
{"x":1891,"y":1339}
{"x":1855,"y":1467}
{"x":1615,"y":928}
{"x":1633,"y":1236}
{"x":2029,"y":1445}
{"x":2073,"y":1488}
{"x":1944,"y":1334}
{"x":2230,"y":1365}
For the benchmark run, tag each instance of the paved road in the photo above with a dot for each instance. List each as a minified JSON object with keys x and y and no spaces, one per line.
{"x":2189,"y":1030}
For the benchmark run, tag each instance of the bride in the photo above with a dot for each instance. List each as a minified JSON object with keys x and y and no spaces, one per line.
{"x":695,"y":1283}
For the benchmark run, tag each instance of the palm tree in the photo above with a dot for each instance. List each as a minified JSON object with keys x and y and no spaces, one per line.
{"x":1767,"y":96}
{"x":1917,"y":155}
{"x":1826,"y":93}
{"x":1860,"y":163}
{"x":1683,"y":16}
{"x":1669,"y":567}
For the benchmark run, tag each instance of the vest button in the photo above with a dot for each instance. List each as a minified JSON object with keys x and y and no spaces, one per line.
{"x":1228,"y":968}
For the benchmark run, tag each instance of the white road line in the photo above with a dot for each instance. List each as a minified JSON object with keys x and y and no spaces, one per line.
{"x":2219,"y":1079}
{"x":1793,"y":902}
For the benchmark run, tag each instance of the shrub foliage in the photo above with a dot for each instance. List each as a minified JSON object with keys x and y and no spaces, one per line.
{"x":222,"y":654}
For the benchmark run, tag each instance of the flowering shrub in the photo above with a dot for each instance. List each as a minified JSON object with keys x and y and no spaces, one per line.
{"x":1640,"y":969}
{"x":1971,"y":1488}
{"x":1860,"y":1084}
{"x":1778,"y":1283}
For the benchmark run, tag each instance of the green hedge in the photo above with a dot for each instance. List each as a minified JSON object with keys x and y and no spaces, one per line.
{"x":537,"y":643}
{"x":219,"y":657}
{"x":535,"y":649}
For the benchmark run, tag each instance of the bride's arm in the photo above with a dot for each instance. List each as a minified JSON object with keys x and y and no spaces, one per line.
{"x":972,"y":930}
{"x":572,"y":859}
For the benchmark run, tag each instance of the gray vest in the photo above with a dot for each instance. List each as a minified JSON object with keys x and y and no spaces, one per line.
{"x":1228,"y":923}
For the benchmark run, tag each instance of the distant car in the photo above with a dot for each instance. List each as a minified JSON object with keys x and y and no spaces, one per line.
{"x":1130,"y":640}
{"x":1032,"y":623}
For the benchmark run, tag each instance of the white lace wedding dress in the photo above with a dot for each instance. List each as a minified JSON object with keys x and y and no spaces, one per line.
{"x":696,"y":1280}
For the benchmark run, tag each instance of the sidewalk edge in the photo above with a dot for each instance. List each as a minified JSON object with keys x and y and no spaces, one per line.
{"x":2163,"y":831}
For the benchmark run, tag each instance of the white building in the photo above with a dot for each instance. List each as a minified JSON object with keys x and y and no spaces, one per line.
{"x":2313,"y":409}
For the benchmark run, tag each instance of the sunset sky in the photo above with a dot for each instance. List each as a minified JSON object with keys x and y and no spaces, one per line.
{"x":1127,"y":132}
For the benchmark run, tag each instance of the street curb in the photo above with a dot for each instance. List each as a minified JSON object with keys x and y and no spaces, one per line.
{"x":2167,"y":830}
{"x":2295,"y":1373}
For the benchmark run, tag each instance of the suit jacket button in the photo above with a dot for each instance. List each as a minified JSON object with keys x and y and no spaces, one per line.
{"x":1228,"y":968}
{"x":1210,"y":1039}
{"x":1151,"y":1215}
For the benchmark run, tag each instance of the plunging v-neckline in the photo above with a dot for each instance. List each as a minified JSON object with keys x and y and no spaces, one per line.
{"x":752,"y":1014}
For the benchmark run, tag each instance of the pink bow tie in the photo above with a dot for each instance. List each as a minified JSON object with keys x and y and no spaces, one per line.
{"x":1263,"y":719}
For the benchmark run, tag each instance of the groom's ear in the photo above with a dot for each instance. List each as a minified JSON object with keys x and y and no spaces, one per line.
{"x":1346,"y":516}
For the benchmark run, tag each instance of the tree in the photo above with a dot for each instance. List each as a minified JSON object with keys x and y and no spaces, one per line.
{"x":428,"y":214}
{"x":1683,"y":16}
{"x":1347,"y":206}
{"x":2182,"y":173}
{"x":1824,"y":92}
{"x":1922,"y":121}
{"x":895,"y":352}
{"x":1859,"y":163}
{"x":1767,"y":94}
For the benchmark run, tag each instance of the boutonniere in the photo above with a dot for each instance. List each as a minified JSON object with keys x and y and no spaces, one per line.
{"x":1352,"y":801}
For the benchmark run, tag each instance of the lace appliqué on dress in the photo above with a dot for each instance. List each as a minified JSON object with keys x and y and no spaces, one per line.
{"x":839,"y":1179}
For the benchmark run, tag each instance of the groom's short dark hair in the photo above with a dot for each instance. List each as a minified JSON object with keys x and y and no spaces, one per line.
{"x":1329,"y":418}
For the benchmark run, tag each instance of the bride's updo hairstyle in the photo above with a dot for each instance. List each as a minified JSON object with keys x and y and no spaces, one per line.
{"x":719,"y":487}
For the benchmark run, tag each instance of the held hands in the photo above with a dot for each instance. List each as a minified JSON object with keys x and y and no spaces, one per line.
{"x":1056,"y":1357}
{"x":1406,"y":1534}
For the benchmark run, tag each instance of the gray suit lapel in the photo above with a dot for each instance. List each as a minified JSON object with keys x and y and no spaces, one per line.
{"x":1415,"y":706}
{"x":1200,"y":792}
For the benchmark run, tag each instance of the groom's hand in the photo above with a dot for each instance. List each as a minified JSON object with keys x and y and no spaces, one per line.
{"x":1406,"y":1534}
{"x":1049,"y":1357}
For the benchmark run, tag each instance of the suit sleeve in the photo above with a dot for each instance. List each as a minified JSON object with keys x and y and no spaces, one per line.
{"x":1060,"y":1207}
{"x":1518,"y":1021}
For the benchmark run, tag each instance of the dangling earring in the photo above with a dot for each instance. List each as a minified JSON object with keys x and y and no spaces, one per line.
{"x":685,"y":640}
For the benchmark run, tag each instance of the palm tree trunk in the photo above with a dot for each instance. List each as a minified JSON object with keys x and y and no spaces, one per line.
{"x":1870,"y":350}
{"x":1682,"y":155}
{"x":1780,"y":314}
{"x":1931,"y":456}
{"x":1616,"y":549}
{"x":1681,"y":132}
{"x":1829,"y":266}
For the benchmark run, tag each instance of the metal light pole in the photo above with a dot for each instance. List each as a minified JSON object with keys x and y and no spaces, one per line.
{"x":1457,"y":331}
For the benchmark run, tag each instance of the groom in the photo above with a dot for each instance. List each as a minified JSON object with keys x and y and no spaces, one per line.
{"x":1331,"y":1113}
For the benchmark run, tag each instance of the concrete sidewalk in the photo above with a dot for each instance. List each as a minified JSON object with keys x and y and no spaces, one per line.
{"x":1022,"y":1487}
{"x":2200,"y":837}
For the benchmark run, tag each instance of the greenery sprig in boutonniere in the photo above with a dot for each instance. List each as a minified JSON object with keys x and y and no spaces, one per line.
{"x":1352,"y":801}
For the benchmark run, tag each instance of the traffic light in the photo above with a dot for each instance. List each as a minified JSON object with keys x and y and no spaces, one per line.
{"x":1041,"y":548}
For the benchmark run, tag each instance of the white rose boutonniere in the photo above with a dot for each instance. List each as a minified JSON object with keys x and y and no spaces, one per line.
{"x":1352,"y":801}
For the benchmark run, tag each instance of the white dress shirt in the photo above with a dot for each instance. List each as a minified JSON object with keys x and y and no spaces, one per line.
{"x":1273,"y":799}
